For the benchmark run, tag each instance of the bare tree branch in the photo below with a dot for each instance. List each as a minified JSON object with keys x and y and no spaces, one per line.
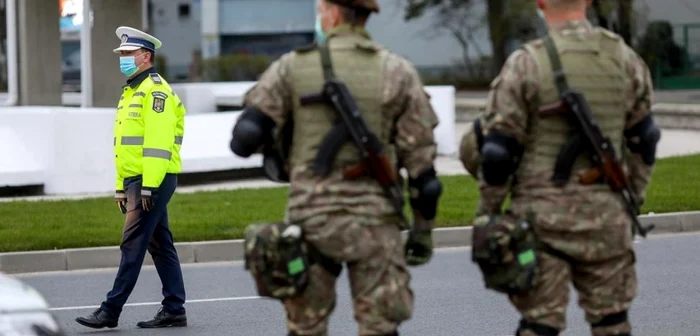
{"x":457,"y":18}
{"x":690,"y":7}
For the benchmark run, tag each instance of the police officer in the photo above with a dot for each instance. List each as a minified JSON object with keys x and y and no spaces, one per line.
{"x":583,"y":228}
{"x":148,"y":131}
{"x":349,"y":221}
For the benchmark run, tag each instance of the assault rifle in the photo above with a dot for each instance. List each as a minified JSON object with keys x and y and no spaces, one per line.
{"x":351,"y":126}
{"x":606,"y":163}
{"x":589,"y":136}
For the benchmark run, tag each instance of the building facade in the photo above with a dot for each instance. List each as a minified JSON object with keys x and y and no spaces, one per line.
{"x":271,"y":27}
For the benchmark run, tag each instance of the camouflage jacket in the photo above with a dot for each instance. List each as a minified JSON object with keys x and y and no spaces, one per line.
{"x":512,"y":101}
{"x":403,"y":100}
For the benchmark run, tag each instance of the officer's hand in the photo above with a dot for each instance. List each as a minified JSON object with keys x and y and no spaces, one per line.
{"x":419,"y":247}
{"x":120,"y":197}
{"x":148,"y":197}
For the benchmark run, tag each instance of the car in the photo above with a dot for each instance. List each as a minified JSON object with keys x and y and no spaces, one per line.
{"x":24,"y":311}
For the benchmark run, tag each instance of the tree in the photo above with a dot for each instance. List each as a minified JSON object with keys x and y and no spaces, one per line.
{"x":504,"y":19}
{"x":625,"y":13}
{"x":454,"y":17}
{"x":600,"y":12}
{"x":603,"y":11}
{"x":497,"y":24}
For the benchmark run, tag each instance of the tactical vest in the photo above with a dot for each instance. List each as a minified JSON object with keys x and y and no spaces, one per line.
{"x":593,"y":66}
{"x":358,"y":63}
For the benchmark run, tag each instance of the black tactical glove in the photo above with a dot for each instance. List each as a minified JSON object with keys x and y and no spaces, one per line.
{"x":120,"y":197}
{"x":148,"y":198}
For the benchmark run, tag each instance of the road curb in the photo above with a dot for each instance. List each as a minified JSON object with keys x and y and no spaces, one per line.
{"x":232,"y":250}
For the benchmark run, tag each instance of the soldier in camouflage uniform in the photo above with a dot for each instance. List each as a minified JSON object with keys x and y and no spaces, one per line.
{"x":469,"y":146}
{"x":350,"y":222}
{"x":584,"y":228}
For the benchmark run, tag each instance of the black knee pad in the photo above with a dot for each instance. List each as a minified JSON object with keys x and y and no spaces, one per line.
{"x":499,"y":158}
{"x":539,"y":329}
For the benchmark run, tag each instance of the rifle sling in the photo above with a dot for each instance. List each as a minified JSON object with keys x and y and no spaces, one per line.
{"x":326,"y":61}
{"x":566,"y":159}
{"x":559,"y":77}
{"x":339,"y":134}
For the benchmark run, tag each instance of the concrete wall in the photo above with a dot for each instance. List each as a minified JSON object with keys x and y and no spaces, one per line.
{"x":39,"y":53}
{"x":70,"y":150}
{"x":107,"y":80}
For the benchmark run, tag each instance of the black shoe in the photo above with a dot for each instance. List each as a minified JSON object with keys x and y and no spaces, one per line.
{"x":164,"y":319}
{"x":98,"y":320}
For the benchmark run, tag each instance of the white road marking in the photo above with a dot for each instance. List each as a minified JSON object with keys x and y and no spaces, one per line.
{"x":240,"y":298}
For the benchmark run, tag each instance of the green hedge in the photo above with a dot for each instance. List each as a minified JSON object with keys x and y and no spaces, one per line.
{"x":162,"y":65}
{"x":234,"y":68}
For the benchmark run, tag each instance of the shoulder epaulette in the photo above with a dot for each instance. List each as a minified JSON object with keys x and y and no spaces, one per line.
{"x":156,"y":78}
{"x":367,"y":45}
{"x":609,"y":34}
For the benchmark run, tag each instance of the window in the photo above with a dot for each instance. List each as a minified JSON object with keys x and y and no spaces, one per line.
{"x":183,"y":11}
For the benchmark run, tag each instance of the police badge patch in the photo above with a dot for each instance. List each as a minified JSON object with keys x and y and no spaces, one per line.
{"x":159,"y":101}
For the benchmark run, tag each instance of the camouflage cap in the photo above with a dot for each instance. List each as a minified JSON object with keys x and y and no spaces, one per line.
{"x":469,"y":148}
{"x":370,"y":5}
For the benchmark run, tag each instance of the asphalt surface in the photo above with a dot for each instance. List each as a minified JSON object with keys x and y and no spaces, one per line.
{"x":450,"y":298}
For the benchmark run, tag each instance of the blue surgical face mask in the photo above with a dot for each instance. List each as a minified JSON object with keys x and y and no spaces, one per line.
{"x":127,"y":65}
{"x":320,"y":35}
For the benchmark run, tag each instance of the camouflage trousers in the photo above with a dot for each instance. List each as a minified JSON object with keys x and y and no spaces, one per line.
{"x":377,"y":270}
{"x":593,"y":253}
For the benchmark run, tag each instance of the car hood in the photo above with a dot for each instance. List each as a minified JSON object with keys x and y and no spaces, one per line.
{"x":18,"y":296}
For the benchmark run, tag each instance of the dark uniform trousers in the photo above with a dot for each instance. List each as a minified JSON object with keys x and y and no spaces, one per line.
{"x":147,"y":230}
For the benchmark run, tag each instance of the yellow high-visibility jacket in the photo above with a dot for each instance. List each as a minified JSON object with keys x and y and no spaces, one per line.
{"x":148,"y":131}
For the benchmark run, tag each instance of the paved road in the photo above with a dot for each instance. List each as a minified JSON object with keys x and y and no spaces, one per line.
{"x":450,"y":298}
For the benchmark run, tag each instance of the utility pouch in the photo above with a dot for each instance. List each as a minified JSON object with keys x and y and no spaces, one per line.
{"x":277,"y":258}
{"x":504,"y":248}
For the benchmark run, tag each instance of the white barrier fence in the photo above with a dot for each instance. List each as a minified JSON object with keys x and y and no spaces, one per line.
{"x":68,"y":150}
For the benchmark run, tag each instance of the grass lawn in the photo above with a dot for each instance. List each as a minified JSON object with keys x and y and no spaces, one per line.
{"x":32,"y":225}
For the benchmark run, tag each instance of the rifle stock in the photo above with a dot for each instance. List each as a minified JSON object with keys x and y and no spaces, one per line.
{"x":590,"y":176}
{"x":553,"y":109}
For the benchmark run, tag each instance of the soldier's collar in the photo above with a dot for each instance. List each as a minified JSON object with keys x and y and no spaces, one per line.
{"x":134,"y":82}
{"x":346,"y":29}
{"x":582,"y":25}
